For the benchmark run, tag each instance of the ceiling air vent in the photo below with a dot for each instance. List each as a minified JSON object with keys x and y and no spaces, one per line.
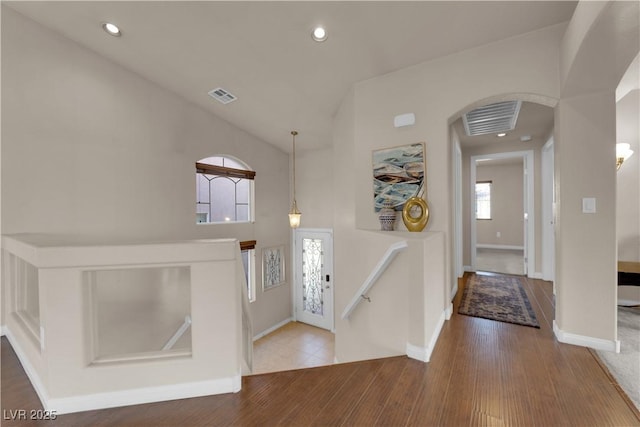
{"x":222,"y":95}
{"x":494,"y":118}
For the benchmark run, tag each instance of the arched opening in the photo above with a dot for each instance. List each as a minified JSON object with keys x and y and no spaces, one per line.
{"x":224,"y":190}
{"x":512,"y":240}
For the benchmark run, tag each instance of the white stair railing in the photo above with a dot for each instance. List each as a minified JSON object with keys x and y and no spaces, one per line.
{"x":377,"y":271}
{"x":178,"y":334}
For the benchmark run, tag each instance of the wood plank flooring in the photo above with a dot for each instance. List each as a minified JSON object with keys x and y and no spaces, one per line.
{"x":481,"y":373}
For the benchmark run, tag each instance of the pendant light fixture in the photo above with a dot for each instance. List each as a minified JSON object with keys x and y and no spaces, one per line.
{"x":294,"y":213}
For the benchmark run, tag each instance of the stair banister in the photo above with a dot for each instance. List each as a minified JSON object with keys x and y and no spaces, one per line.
{"x":377,"y":271}
{"x":178,"y":334}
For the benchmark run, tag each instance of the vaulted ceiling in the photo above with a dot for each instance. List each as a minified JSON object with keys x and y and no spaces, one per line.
{"x":262,"y":52}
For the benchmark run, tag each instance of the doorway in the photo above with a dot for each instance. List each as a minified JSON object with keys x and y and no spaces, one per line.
{"x":532,"y":128}
{"x":548,"y":213}
{"x":313,"y":277}
{"x":502,"y":214}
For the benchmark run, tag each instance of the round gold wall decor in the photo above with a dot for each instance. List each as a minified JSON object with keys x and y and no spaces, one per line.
{"x":419,"y":221}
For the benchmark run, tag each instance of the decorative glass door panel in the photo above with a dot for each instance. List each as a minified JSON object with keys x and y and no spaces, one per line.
{"x":313,"y":285}
{"x":312,"y":254}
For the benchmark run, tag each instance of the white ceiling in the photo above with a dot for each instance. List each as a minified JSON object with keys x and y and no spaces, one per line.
{"x":262,"y":51}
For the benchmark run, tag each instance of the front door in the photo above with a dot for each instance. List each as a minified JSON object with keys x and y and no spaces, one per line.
{"x":313,"y":284}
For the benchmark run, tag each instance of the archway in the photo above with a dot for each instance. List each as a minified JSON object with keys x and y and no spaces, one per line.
{"x":533,"y":139}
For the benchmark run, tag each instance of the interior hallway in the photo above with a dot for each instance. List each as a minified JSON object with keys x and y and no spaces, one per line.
{"x":481,"y":372}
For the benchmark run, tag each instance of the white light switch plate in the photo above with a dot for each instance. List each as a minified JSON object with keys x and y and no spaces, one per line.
{"x":589,"y":205}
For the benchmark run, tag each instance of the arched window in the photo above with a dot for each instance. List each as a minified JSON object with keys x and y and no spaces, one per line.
{"x":224,"y":190}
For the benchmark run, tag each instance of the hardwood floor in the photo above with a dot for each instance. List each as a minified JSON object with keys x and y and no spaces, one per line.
{"x":481,"y":373}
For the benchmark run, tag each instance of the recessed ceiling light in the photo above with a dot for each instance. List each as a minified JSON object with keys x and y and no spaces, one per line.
{"x":525,"y":138}
{"x":112,"y":29}
{"x":319,"y":34}
{"x":500,"y":135}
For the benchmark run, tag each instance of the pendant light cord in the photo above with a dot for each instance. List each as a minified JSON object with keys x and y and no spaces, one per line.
{"x":294,"y":133}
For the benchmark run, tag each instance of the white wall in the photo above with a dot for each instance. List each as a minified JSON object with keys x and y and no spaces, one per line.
{"x":628,"y":178}
{"x":585,"y":243}
{"x":523,"y":67}
{"x":90,"y":148}
{"x":435,"y":91}
{"x":507,"y":205}
{"x":314,"y":186}
{"x":628,"y":188}
{"x":405,"y":308}
{"x":62,"y":356}
{"x":600,"y":43}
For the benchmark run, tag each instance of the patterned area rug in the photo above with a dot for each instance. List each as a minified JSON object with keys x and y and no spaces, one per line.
{"x":500,"y":298}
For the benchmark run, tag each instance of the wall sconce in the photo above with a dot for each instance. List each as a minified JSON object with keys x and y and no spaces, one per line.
{"x":294,"y":213}
{"x":623,"y":152}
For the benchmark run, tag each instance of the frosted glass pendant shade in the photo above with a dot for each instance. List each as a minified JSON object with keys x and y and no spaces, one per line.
{"x":294,"y":216}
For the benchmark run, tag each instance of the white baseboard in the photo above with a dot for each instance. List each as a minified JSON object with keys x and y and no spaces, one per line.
{"x":113,"y":399}
{"x":490,"y":246}
{"x":536,"y":275}
{"x":3,"y":330}
{"x":139,"y":396}
{"x":448,"y":312}
{"x":584,"y":341}
{"x":32,"y":374}
{"x":436,"y":334}
{"x":417,"y":353}
{"x":423,"y":354}
{"x":273,"y":328}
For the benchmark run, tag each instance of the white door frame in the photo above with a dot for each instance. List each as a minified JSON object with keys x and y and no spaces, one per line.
{"x":295,"y":271}
{"x":528,"y":199}
{"x":548,"y":209}
{"x":457,"y":227}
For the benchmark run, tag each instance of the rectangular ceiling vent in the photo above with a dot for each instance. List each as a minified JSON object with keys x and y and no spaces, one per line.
{"x":222,"y":95}
{"x":493,"y":118}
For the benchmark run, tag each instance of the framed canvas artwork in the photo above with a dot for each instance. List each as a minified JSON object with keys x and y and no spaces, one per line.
{"x":398,"y":174}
